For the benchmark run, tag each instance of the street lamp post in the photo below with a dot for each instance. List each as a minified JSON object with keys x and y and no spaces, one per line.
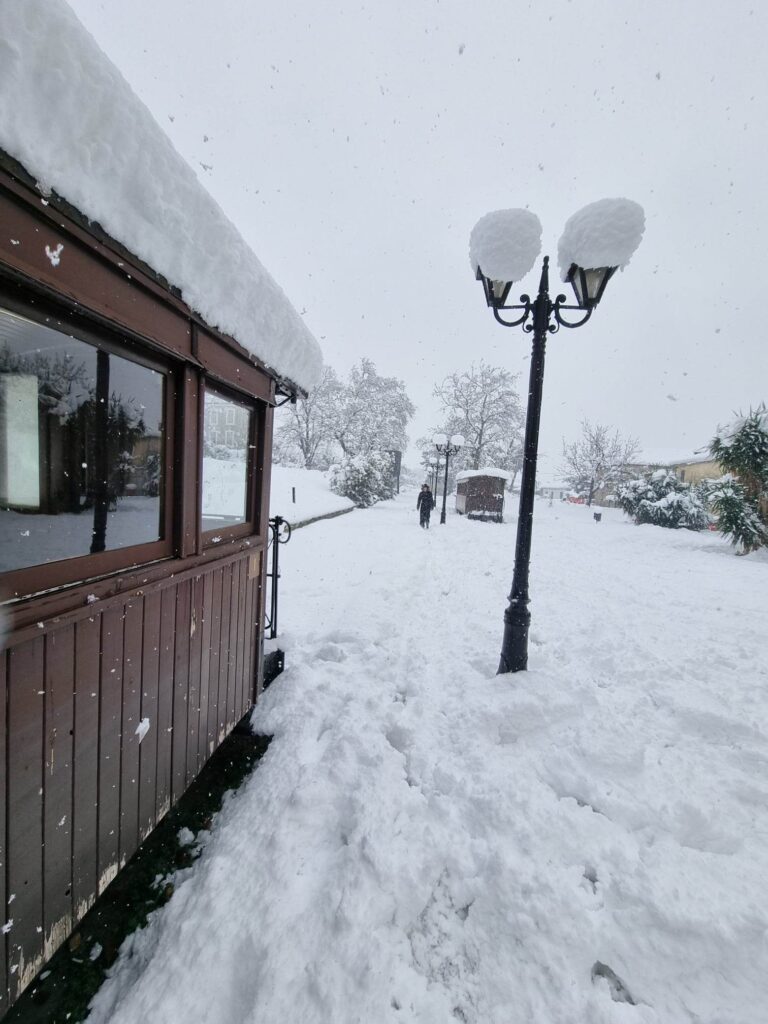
{"x":432,"y":473}
{"x":446,"y":448}
{"x":503,"y":248}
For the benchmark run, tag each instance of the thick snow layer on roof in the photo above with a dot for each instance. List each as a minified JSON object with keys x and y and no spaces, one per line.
{"x":501,"y":474}
{"x":602,"y":234}
{"x":669,"y":457}
{"x":68,"y":115}
{"x":505,"y":244}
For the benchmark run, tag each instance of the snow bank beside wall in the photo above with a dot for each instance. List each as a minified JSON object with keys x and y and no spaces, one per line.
{"x":68,"y":115}
{"x":313,"y":497}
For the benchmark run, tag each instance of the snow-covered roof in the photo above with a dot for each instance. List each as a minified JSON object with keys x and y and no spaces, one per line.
{"x":501,"y":474}
{"x":505,"y":244}
{"x":70,"y":118}
{"x":602,"y":234}
{"x":670,"y":457}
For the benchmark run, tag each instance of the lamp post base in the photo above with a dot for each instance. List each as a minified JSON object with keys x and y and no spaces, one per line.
{"x":514,"y":647}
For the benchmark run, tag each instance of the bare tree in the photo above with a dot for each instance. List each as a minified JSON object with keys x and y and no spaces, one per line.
{"x":482,"y":403}
{"x":597,"y":458}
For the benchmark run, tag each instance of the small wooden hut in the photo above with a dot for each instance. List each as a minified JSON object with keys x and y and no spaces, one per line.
{"x":135,"y":447}
{"x":480,"y":493}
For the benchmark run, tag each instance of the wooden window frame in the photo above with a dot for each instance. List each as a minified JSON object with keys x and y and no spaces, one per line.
{"x":25,"y":582}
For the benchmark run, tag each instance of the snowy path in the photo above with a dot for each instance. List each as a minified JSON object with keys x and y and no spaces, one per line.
{"x":585,"y":842}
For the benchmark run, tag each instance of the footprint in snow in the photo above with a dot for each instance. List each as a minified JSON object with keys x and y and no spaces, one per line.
{"x":618,"y":990}
{"x":331,"y":652}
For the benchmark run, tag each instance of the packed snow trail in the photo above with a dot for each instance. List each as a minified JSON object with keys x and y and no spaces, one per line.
{"x":586,"y":842}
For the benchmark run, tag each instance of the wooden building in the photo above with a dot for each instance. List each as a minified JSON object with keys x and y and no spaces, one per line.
{"x":480,"y":493}
{"x":135,"y":446}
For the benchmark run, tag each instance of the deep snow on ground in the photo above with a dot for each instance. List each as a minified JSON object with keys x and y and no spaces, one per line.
{"x":301,"y":494}
{"x":586,"y":842}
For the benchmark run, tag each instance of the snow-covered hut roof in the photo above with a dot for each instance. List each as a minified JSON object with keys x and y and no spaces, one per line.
{"x":70,"y":118}
{"x":501,"y":474}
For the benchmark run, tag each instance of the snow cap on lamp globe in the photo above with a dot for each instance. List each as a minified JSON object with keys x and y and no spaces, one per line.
{"x":504,"y":244}
{"x":602,"y":234}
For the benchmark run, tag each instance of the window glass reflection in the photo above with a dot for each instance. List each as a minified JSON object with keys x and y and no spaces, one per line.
{"x":81,"y":447}
{"x":225,"y":461}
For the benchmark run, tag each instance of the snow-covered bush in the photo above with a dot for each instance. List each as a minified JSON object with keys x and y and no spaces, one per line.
{"x":738,"y":517}
{"x":662,"y":500}
{"x":364,"y":479}
{"x":740,"y":498}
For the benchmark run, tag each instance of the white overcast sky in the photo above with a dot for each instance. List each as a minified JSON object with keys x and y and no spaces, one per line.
{"x":356,"y":144}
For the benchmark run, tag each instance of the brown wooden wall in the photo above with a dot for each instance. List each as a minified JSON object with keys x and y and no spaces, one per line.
{"x":172,"y":636}
{"x":82,"y":791}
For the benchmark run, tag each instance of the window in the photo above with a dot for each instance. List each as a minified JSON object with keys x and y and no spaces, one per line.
{"x":82,"y":434}
{"x":226,"y":468}
{"x":231,"y":416}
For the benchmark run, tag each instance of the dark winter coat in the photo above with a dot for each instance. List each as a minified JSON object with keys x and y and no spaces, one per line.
{"x":425,"y":502}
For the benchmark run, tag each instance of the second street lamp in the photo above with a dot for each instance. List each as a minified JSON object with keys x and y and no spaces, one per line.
{"x":504,"y":247}
{"x":432,"y":473}
{"x":447,"y":448}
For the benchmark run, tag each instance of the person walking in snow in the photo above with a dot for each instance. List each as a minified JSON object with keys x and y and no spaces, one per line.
{"x":425,"y":503}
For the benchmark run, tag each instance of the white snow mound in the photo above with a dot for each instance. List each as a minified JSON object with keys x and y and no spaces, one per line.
{"x":68,"y":115}
{"x":602,"y":234}
{"x":505,"y":244}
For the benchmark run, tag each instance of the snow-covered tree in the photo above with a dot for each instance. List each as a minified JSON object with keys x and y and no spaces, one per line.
{"x":304,"y":435}
{"x":740,"y":498}
{"x":660,"y":499}
{"x":483,"y":405}
{"x":596,"y":459}
{"x":738,"y":517}
{"x":365,"y":479}
{"x":369,"y":412}
{"x":365,"y":413}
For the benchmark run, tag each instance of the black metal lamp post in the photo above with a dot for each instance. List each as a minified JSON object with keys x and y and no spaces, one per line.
{"x":446,"y":448}
{"x":432,"y":473}
{"x":539,"y":317}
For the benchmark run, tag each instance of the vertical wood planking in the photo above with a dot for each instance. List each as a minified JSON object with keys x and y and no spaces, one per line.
{"x":259,"y":609}
{"x":205,"y":668}
{"x":226,"y":605}
{"x":258,"y":597}
{"x":26,"y":690}
{"x":129,"y":767}
{"x":110,"y":729}
{"x":181,"y":689}
{"x":3,"y":820}
{"x":58,"y":787}
{"x":165,"y":700}
{"x":195,"y":668}
{"x":234,"y":636}
{"x":213,"y":676}
{"x":191,"y":407}
{"x":150,"y":667}
{"x":242,"y":640}
{"x":85,"y":837}
{"x":255,"y":628}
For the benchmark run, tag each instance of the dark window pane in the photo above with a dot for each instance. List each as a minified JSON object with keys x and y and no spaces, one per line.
{"x":225,"y":466}
{"x":81,"y":452}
